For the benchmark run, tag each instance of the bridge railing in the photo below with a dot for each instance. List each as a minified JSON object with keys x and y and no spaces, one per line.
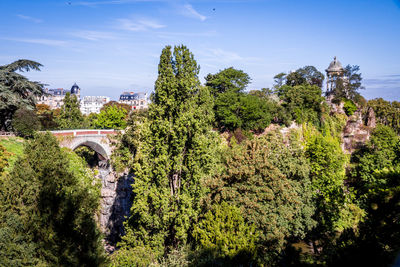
{"x":84,"y":132}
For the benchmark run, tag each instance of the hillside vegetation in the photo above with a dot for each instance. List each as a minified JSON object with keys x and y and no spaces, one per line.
{"x":223,"y":176}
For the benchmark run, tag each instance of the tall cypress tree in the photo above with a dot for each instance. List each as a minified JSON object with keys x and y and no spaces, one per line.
{"x":70,"y":116}
{"x":174,"y":157}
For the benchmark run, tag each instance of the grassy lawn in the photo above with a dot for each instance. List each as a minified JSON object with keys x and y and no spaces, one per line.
{"x":15,"y":146}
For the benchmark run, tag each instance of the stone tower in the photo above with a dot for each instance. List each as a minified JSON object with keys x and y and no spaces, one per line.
{"x":75,"y":90}
{"x":334,"y":72}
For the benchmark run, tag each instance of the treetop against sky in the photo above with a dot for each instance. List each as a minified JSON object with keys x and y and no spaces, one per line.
{"x":110,"y":46}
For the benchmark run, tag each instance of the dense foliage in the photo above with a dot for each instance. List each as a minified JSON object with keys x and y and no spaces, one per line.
{"x":228,"y":79}
{"x":387,"y":113}
{"x":223,"y":233}
{"x":47,"y":116}
{"x":25,"y":122}
{"x":47,"y":204}
{"x":306,"y":75}
{"x":4,"y":155}
{"x":16,"y":91}
{"x":244,"y":111}
{"x":70,"y":116}
{"x":268,"y":181}
{"x":174,"y":156}
{"x":250,"y":192}
{"x":303,"y":103}
{"x":111,"y":117}
{"x":348,"y":87}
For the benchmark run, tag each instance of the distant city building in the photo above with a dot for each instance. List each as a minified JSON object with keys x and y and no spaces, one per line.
{"x":93,"y":104}
{"x":55,"y":97}
{"x":135,"y":100}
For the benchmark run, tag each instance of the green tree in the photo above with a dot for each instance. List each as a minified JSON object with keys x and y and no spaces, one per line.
{"x":328,"y":163}
{"x":25,"y":122}
{"x":16,"y":90}
{"x":376,"y":172}
{"x":112,"y":117}
{"x":173,"y":158}
{"x":349,"y":107}
{"x":127,"y":107}
{"x":46,"y":117}
{"x":380,"y":152}
{"x":223,"y":233}
{"x":386,"y":112}
{"x":279,"y":79}
{"x":268,"y":181}
{"x":375,"y":242}
{"x":306,"y":75}
{"x":47,"y":207}
{"x":349,"y":86}
{"x":229,"y":79}
{"x":245,"y":111}
{"x":70,"y":116}
{"x":303,"y":103}
{"x":264,"y":93}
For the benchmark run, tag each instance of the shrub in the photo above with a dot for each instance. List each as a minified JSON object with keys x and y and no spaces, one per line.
{"x":138,"y":256}
{"x":224,"y":233}
{"x":349,"y":107}
{"x":25,"y":122}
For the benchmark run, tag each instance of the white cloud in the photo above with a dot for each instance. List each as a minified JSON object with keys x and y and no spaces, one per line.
{"x":189,"y":11}
{"x":224,"y":57}
{"x":35,"y":20}
{"x":112,"y":2}
{"x":151,"y":24}
{"x":94,"y":35}
{"x":49,"y":42}
{"x":138,"y":25}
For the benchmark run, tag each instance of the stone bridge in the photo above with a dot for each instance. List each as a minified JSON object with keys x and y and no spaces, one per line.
{"x":115,"y":191}
{"x":95,"y":139}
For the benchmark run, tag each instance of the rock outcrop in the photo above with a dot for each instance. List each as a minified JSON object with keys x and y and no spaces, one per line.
{"x":116,"y":202}
{"x":358,"y":129}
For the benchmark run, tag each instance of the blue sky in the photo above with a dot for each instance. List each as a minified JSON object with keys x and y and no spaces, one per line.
{"x":111,"y":46}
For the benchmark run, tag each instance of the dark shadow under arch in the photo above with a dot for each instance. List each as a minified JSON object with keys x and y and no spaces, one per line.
{"x":99,"y":149}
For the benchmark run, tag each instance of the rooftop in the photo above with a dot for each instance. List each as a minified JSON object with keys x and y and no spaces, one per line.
{"x":335,"y":66}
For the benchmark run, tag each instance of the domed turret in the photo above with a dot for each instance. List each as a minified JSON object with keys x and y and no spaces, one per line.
{"x":335,"y":66}
{"x":75,"y":89}
{"x":334,"y":72}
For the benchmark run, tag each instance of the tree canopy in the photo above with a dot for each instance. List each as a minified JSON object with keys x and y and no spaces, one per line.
{"x":306,"y":75}
{"x":16,"y":90}
{"x":47,"y":206}
{"x":302,"y":103}
{"x":173,"y":157}
{"x":349,"y":86}
{"x":226,"y":80}
{"x":111,"y":117}
{"x":70,"y":116}
{"x":268,"y":181}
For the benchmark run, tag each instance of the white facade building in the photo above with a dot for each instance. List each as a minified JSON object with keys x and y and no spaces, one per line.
{"x":135,"y":100}
{"x":54,"y":98}
{"x":93,"y":104}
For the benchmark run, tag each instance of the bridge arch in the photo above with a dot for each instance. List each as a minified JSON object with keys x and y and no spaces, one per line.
{"x":96,"y":140}
{"x":95,"y":146}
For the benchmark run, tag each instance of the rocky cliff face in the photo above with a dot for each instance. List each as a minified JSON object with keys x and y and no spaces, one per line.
{"x":355,"y":133}
{"x":358,"y":129}
{"x":116,"y":202}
